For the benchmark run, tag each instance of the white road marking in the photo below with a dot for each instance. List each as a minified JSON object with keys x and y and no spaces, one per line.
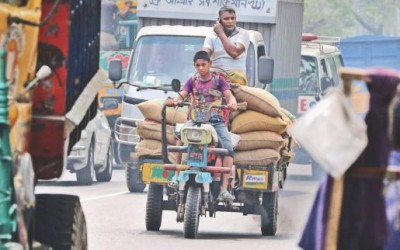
{"x":104,"y":196}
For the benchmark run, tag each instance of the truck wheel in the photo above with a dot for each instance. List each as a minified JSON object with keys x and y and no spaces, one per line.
{"x":85,"y":175}
{"x":269,"y":213}
{"x":133,"y":179}
{"x":115,"y":151}
{"x":60,"y":222}
{"x":192,"y":212}
{"x":154,"y":207}
{"x":106,"y":175}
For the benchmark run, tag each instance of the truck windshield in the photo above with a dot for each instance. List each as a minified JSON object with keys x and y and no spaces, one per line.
{"x":158,"y":59}
{"x":309,"y":75}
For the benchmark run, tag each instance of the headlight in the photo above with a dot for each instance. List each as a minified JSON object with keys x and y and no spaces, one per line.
{"x":109,"y":103}
{"x":194,"y":135}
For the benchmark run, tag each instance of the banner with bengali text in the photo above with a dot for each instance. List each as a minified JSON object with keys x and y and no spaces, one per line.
{"x":253,"y":11}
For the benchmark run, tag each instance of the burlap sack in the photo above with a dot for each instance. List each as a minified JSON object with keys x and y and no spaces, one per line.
{"x":256,"y":157}
{"x":250,"y":120}
{"x":152,"y":130}
{"x":258,"y":100}
{"x":293,"y":142}
{"x":259,"y":139}
{"x":233,"y":114}
{"x":149,"y":147}
{"x":152,"y":110}
{"x":288,"y":117}
{"x":242,"y":106}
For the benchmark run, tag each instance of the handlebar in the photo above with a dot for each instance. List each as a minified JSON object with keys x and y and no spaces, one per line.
{"x":169,"y":103}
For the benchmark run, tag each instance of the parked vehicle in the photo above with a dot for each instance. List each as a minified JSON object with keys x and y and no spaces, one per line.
{"x":92,"y":155}
{"x":42,"y":117}
{"x":320,"y":60}
{"x":369,"y":51}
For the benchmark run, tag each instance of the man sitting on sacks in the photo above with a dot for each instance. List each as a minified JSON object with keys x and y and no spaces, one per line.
{"x":210,"y":88}
{"x":227,"y":45}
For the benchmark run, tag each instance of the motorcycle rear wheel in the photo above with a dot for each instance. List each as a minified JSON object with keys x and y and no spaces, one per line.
{"x":269,"y":214}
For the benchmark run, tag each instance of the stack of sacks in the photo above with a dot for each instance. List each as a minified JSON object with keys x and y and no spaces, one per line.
{"x":149,"y":130}
{"x":289,"y":142}
{"x":261,"y":127}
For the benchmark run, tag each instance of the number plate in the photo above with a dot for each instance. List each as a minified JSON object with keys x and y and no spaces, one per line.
{"x":255,"y":179}
{"x":155,"y":173}
{"x":195,"y":153}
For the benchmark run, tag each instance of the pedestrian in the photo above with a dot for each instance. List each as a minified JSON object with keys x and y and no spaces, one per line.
{"x":109,"y":11}
{"x":392,"y":182}
{"x":349,"y":212}
{"x":228,"y":44}
{"x":208,"y":87}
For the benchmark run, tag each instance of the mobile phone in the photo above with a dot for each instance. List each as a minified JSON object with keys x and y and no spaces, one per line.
{"x":218,"y":20}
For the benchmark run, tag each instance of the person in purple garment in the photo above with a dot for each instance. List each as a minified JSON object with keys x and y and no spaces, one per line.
{"x":209,"y":88}
{"x":392,"y":188}
{"x":362,"y":220}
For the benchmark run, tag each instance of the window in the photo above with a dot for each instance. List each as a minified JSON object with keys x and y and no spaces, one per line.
{"x":309,"y":75}
{"x":157,"y":60}
{"x":334,"y":71}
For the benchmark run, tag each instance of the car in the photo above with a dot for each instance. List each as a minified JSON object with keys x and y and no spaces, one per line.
{"x":92,"y":156}
{"x":320,"y":60}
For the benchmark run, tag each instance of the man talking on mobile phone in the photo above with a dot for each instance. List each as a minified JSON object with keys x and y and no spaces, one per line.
{"x":227,"y":44}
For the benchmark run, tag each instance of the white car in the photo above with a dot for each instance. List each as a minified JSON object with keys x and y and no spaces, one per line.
{"x":92,"y":155}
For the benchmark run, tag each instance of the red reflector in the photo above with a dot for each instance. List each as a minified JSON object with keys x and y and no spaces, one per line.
{"x":307,"y":37}
{"x":165,"y":174}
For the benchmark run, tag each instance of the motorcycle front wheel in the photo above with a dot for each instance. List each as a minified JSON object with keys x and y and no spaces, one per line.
{"x":192,"y":212}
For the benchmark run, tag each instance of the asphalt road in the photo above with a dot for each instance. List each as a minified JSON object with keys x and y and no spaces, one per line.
{"x":115,"y":217}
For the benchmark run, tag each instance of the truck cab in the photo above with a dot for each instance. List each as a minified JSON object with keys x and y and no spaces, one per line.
{"x":320,"y":60}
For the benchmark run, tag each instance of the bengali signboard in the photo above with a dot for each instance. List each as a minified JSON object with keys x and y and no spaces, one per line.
{"x":253,"y":11}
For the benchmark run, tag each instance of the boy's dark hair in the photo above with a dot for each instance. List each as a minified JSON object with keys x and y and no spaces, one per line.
{"x":226,"y":9}
{"x":202,"y":55}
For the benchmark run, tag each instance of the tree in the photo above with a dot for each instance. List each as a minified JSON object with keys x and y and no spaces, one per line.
{"x":348,"y":18}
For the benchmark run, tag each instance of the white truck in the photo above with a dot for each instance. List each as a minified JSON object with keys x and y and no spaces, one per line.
{"x":170,"y":32}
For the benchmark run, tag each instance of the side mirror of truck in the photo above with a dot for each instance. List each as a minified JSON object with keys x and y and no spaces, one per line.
{"x":115,"y":71}
{"x":176,"y":85}
{"x":265,"y":70}
{"x":326,"y":82}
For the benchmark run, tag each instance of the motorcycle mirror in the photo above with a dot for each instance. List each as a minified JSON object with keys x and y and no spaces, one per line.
{"x":176,"y":85}
{"x":43,"y":72}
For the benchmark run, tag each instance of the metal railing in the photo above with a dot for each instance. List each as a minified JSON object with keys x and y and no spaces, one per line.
{"x":125,"y":130}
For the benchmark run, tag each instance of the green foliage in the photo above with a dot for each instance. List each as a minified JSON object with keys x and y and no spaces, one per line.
{"x":355,"y":17}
